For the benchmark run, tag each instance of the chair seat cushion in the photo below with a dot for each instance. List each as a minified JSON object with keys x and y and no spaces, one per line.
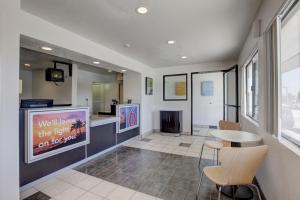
{"x":213,"y":144}
{"x":216,"y":174}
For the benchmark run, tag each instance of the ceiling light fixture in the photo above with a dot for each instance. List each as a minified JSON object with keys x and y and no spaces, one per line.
{"x":171,"y":41}
{"x":123,"y":70}
{"x":47,"y":48}
{"x":96,"y":62}
{"x":109,"y":70}
{"x":183,"y":57}
{"x":127,"y":45}
{"x":142,"y":10}
{"x":27,"y":65}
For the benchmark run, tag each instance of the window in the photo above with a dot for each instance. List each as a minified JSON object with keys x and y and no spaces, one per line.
{"x":252,"y":88}
{"x":289,"y":76}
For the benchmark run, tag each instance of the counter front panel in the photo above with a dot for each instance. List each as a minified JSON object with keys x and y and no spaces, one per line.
{"x":101,"y":130}
{"x":33,"y":171}
{"x":102,"y":137}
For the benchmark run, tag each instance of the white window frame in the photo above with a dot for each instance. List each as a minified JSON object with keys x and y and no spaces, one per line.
{"x":284,"y":12}
{"x":245,"y":113}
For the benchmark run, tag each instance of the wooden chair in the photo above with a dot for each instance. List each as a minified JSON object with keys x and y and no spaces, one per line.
{"x":227,"y":125}
{"x":215,"y":145}
{"x":238,"y":167}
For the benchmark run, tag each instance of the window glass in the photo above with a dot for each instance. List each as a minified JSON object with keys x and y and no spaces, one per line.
{"x":252,"y":88}
{"x":290,"y":76}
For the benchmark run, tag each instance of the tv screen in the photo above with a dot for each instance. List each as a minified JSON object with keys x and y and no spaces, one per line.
{"x":54,"y":75}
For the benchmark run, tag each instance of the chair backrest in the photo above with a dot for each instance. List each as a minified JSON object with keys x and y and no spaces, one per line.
{"x":227,"y":125}
{"x":241,"y":164}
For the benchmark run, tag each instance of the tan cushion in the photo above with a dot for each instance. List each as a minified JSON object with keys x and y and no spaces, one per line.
{"x":216,"y":174}
{"x":227,"y":125}
{"x":213,"y":144}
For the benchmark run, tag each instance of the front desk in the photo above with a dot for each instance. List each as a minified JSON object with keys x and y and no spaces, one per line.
{"x":103,"y":132}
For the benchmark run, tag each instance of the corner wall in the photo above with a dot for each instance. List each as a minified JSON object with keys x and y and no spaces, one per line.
{"x":279,"y":175}
{"x":160,"y":104}
{"x":9,"y":103}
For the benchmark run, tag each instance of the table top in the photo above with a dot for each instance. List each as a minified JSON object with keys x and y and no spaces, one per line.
{"x":236,"y":136}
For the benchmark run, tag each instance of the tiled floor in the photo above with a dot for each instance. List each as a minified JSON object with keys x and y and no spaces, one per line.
{"x":166,"y":171}
{"x":164,"y":175}
{"x":169,"y":144}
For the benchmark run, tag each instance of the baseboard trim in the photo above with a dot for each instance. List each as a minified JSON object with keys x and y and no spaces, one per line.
{"x":147,"y":133}
{"x":263,"y":197}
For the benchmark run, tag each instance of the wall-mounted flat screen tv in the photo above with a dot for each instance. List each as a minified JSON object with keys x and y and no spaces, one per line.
{"x":55,"y":75}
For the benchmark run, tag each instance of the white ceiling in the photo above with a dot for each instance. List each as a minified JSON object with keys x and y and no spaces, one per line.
{"x":32,"y":54}
{"x":39,"y":60}
{"x":204,"y":30}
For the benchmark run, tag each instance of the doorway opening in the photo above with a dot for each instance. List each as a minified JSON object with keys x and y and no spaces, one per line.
{"x":214,"y":97}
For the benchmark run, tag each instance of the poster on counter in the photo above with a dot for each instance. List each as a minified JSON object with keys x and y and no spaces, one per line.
{"x":129,"y":115}
{"x":50,"y":131}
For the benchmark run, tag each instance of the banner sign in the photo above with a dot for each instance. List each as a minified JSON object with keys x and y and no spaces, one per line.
{"x":129,"y":115}
{"x":50,"y":131}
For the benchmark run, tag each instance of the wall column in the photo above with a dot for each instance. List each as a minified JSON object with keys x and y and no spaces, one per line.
{"x":9,"y":99}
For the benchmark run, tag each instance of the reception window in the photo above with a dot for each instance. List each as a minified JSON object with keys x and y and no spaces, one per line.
{"x":289,"y":76}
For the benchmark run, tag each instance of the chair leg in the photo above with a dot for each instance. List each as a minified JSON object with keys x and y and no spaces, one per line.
{"x":200,"y":155}
{"x":199,"y":185}
{"x":214,"y":160}
{"x":219,"y":194}
{"x":217,"y":156}
{"x":257,"y":190}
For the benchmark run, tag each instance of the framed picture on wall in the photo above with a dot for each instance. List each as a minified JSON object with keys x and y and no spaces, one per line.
{"x":175,"y":87}
{"x":149,"y":86}
{"x":207,"y":88}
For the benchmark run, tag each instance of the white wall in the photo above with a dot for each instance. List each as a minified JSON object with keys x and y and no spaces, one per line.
{"x":132,"y":87}
{"x":42,"y":89}
{"x":279,"y":175}
{"x":26,"y":77}
{"x":181,"y":105}
{"x":9,"y":103}
{"x":208,"y":110}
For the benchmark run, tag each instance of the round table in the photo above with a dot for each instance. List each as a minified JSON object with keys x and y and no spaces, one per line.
{"x":237,"y":138}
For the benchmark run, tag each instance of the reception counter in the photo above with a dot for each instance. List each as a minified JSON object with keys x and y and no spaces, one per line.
{"x":102,"y":133}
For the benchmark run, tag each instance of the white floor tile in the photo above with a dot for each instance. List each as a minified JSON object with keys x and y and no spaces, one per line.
{"x":75,"y":178}
{"x":57,"y":188}
{"x":104,"y":188}
{"x":90,"y":196}
{"x":121,"y":193}
{"x":193,"y":154}
{"x":47,"y":183}
{"x":141,"y":196}
{"x":27,"y":193}
{"x":66,"y":174}
{"x":71,"y":193}
{"x":88,"y":183}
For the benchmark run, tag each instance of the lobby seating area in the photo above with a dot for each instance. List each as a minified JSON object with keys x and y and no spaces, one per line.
{"x":149,"y":168}
{"x":149,"y":99}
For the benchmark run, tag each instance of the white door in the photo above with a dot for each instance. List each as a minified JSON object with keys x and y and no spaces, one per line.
{"x":207,"y":99}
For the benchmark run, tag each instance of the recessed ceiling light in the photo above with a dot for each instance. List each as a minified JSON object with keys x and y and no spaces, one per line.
{"x":171,"y":41}
{"x":127,"y":45}
{"x":142,"y":10}
{"x":183,"y":57}
{"x":123,"y":70}
{"x":47,"y":48}
{"x":109,"y":70}
{"x":27,"y":65}
{"x":96,"y":62}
